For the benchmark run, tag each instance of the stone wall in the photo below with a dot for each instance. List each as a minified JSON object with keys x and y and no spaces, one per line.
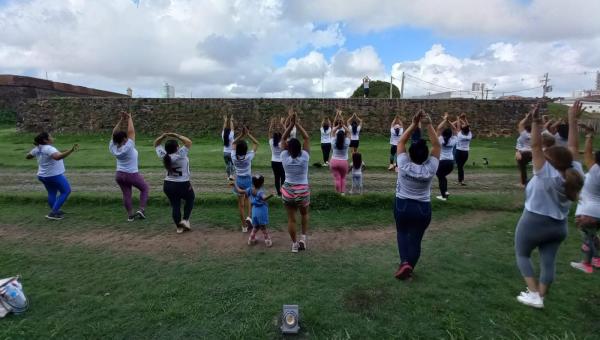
{"x":204,"y":116}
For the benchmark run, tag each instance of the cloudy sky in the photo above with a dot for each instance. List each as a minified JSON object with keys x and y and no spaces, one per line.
{"x":302,"y":48}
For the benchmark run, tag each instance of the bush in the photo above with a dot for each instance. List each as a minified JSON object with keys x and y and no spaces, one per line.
{"x":377,"y":89}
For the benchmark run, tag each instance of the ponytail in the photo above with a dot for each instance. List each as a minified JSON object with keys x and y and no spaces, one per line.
{"x":573,"y":184}
{"x":226,"y":133}
{"x":340,"y":139}
{"x":167,"y":163}
{"x":447,"y":134}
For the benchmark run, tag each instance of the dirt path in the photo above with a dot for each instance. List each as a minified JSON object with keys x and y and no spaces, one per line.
{"x":219,"y":242}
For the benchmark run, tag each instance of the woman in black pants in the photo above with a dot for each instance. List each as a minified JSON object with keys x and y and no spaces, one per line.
{"x":276,"y":165}
{"x":463,"y":143}
{"x":326,"y":140}
{"x":177,"y":184}
{"x":447,"y":139}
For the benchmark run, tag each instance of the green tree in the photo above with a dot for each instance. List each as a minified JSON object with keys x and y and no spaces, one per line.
{"x":377,"y":89}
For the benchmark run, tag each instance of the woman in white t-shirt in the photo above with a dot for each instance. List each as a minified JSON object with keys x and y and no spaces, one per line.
{"x":587,"y":215}
{"x":412,"y":210}
{"x":355,"y":125}
{"x":276,"y":165}
{"x":523,"y":148}
{"x":177,"y":185}
{"x":556,"y":182}
{"x":340,"y":142}
{"x":295,"y":191}
{"x":227,"y":135}
{"x":463,"y":143}
{"x":122,"y":146}
{"x":51,"y":172}
{"x":325,"y":140}
{"x":396,"y":131}
{"x":242,"y":159}
{"x":447,"y":138}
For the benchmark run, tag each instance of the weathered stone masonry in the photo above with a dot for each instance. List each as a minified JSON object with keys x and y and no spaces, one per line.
{"x":204,"y":116}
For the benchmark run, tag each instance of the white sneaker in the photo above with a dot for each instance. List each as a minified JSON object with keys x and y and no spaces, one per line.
{"x":586,"y":268}
{"x":244,"y":229}
{"x":186,"y":225}
{"x":268,"y":243}
{"x":440,"y":198}
{"x":295,"y":247}
{"x":531,"y":299}
{"x":302,"y":243}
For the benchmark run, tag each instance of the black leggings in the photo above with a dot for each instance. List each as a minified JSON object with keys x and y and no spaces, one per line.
{"x":279,"y":174}
{"x":177,"y":191}
{"x":526,"y":157}
{"x":461,"y":160}
{"x":444,"y":169}
{"x":393,"y":150}
{"x":326,"y":148}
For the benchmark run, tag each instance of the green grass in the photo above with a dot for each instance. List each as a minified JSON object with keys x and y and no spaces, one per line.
{"x":465,"y":288}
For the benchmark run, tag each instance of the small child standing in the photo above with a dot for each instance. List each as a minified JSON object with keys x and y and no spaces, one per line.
{"x":356,"y":167}
{"x":260,"y":209}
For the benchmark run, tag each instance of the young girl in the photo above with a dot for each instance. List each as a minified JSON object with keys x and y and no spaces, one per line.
{"x":51,"y":172}
{"x":587,"y":215}
{"x":412,"y":210}
{"x":122,"y":146}
{"x":396,"y":131}
{"x":326,"y":140}
{"x":463,"y":143}
{"x":523,"y":153}
{"x":227,"y":135}
{"x":242,"y":159}
{"x":447,"y":138}
{"x":177,"y":184}
{"x":339,"y":159}
{"x":356,"y":168}
{"x":295,"y":191}
{"x":355,"y":125}
{"x":557,"y":181}
{"x":276,"y":164}
{"x":260,"y":209}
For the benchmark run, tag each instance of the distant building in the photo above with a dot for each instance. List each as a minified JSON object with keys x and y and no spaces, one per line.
{"x":598,"y":81}
{"x":592,"y":106}
{"x":585,"y":93}
{"x":168,"y":91}
{"x":449,"y":95}
{"x":129,"y":92}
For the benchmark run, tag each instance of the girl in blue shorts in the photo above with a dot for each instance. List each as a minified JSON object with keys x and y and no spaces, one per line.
{"x":260,"y":209}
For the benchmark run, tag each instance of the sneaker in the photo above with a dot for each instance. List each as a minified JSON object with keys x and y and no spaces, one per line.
{"x":447,"y":194}
{"x":531,"y":299}
{"x":295,"y":247}
{"x":441,"y":198}
{"x":251,"y":241}
{"x":596,"y":262}
{"x":391,"y":167}
{"x":248,"y":224}
{"x":230,"y":178}
{"x":302,"y":244}
{"x":130,"y":218}
{"x":186,"y":225}
{"x":404,"y":271}
{"x":584,"y":267}
{"x":268,"y":243}
{"x":140,"y":214}
{"x":462,"y":184}
{"x":244,"y":229}
{"x":54,"y":216}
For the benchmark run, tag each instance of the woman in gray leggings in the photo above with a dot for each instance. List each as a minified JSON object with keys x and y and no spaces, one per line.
{"x":556,"y":183}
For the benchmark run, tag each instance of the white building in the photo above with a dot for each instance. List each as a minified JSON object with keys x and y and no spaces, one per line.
{"x":585,"y":93}
{"x":450,"y":95}
{"x":588,"y":106}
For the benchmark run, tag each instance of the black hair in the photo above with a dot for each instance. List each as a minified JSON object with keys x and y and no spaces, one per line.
{"x":325,"y":126}
{"x":447,"y":134}
{"x":171,"y":146}
{"x":397,"y":131}
{"x":354,"y":125}
{"x":258,"y":181}
{"x":356,"y":160}
{"x":241,"y":148}
{"x":119,"y":136}
{"x":294,"y":147}
{"x":528,"y":128}
{"x":465,"y":129}
{"x":340,"y":138}
{"x":563,"y":131}
{"x":598,"y":158}
{"x":41,"y":139}
{"x":276,"y":138}
{"x":418,"y":151}
{"x":226,"y":132}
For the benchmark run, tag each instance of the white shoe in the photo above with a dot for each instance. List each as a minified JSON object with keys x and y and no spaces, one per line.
{"x":186,"y":225}
{"x":244,"y":229}
{"x":295,"y":247}
{"x":302,"y":244}
{"x":531,"y":299}
{"x":268,"y":243}
{"x":588,"y":269}
{"x":440,"y":198}
{"x":447,"y":194}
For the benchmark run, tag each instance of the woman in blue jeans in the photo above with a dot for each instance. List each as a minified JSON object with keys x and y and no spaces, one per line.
{"x":412,"y":210}
{"x":51,"y":170}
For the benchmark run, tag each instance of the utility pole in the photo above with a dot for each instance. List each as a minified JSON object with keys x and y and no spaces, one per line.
{"x":391,"y":79}
{"x":482,"y":89}
{"x":487,"y":91}
{"x":402,"y":87}
{"x":545,"y":81}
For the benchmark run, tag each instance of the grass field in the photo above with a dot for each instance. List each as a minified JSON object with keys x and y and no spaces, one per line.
{"x":94,"y":275}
